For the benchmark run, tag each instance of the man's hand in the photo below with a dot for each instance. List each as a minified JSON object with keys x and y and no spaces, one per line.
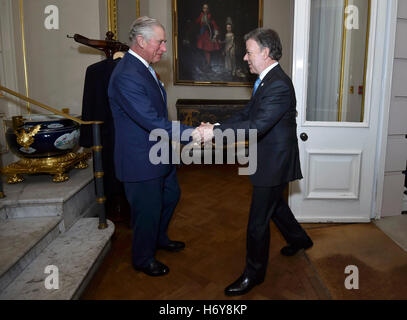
{"x":196,"y":136}
{"x":206,"y":131}
{"x":203,"y":133}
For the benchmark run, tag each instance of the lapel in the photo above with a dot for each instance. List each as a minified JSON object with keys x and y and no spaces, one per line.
{"x":267,"y":79}
{"x":163,"y":95}
{"x":156,"y":86}
{"x":163,"y":91}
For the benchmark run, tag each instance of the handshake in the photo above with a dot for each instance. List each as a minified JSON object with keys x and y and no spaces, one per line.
{"x":203,"y":133}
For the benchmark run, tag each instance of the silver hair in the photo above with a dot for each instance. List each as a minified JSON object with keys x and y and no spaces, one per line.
{"x":143,"y":26}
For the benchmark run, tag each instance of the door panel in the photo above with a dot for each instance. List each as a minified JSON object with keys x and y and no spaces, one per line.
{"x":332,"y":174}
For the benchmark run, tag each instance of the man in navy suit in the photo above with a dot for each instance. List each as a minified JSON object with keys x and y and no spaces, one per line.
{"x":139,"y":106}
{"x":272,"y":112}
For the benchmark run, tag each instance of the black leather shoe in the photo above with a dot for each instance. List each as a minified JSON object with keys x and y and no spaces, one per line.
{"x":154,"y":269}
{"x":292,"y":249}
{"x":241,"y":286}
{"x":173,"y":246}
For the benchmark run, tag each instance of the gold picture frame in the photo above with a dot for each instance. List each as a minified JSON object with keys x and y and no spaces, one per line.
{"x":208,"y":42}
{"x":112,"y":15}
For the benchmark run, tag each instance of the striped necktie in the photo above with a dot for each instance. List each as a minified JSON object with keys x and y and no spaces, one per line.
{"x":256,"y":85}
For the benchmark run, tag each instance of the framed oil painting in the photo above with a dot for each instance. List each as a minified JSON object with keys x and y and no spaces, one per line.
{"x":208,"y":41}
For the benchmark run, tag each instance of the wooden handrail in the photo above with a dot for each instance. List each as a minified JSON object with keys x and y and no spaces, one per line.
{"x":43,"y":106}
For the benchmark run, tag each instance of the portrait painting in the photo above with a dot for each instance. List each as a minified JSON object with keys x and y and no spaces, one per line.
{"x":209,"y":41}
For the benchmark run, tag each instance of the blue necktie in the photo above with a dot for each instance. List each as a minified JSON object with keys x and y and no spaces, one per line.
{"x":256,"y":85}
{"x":150,"y":68}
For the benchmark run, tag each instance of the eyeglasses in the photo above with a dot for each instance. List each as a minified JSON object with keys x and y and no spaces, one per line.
{"x":160,"y":42}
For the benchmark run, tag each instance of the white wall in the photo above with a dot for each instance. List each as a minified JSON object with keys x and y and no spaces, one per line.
{"x":396,"y":155}
{"x":56,"y":65}
{"x":8,"y":74}
{"x":126,"y":14}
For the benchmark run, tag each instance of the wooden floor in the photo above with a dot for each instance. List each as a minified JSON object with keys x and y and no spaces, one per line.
{"x":211,"y":219}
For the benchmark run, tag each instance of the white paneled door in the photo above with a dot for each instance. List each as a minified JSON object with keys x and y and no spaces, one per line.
{"x":339,"y":73}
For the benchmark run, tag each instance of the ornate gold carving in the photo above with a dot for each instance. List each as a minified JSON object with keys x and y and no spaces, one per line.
{"x":82,"y":165}
{"x":2,"y":195}
{"x":18,"y":121}
{"x":112,"y":16}
{"x":189,"y":117}
{"x":58,"y":166}
{"x":60,"y":177}
{"x":26,"y":138}
{"x":15,"y":178}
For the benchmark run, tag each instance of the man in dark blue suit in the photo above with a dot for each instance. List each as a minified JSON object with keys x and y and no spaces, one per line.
{"x":139,"y":106}
{"x":272,"y":112}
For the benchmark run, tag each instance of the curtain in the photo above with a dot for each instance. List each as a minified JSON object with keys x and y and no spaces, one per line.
{"x":324,"y":65}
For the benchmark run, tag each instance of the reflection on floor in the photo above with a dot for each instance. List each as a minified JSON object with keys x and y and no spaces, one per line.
{"x":211,"y":218}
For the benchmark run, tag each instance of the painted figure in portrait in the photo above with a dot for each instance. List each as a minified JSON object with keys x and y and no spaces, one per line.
{"x":209,"y":42}
{"x":208,"y":35}
{"x":229,"y":49}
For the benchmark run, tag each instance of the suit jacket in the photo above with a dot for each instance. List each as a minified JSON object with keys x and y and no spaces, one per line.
{"x":138,"y":107}
{"x":272,"y":111}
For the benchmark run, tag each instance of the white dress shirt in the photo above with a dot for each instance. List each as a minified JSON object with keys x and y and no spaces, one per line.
{"x":265,"y":71}
{"x":140,"y":58}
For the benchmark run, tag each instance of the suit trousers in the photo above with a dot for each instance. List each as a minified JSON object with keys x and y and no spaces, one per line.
{"x":268,"y":203}
{"x":152,"y":205}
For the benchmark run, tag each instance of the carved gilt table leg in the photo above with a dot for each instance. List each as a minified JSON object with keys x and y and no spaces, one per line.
{"x":83,"y":164}
{"x":60,"y":177}
{"x":15,"y":178}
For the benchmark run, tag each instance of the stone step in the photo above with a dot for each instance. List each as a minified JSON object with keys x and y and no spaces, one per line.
{"x":76,"y":254}
{"x":38,"y":196}
{"x":21,"y":241}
